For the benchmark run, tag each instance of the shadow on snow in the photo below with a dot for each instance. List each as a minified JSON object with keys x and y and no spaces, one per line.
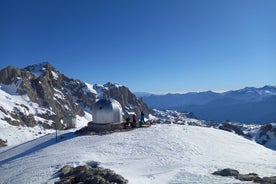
{"x":38,"y":147}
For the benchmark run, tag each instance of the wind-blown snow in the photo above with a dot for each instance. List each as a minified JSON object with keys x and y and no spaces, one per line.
{"x":159,"y":154}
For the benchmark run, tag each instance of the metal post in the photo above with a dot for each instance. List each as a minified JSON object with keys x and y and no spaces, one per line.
{"x":56,"y":132}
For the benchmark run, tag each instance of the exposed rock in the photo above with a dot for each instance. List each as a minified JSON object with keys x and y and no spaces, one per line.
{"x":3,"y":143}
{"x":66,"y":170}
{"x":127,"y":99}
{"x":264,"y":129}
{"x":227,"y":172}
{"x":267,"y":133}
{"x":249,"y":177}
{"x":231,"y":128}
{"x":246,"y":177}
{"x":269,"y":180}
{"x":88,"y":174}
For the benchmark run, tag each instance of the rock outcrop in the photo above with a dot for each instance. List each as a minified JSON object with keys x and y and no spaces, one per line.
{"x":245,"y":177}
{"x":3,"y":143}
{"x":126,"y":98}
{"x":266,"y":133}
{"x":231,"y":128}
{"x":88,"y":174}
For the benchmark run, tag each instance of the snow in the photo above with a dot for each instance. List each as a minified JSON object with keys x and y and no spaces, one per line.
{"x":9,"y":102}
{"x":99,"y":89}
{"x":90,"y":88}
{"x":96,"y":89}
{"x":117,"y":85}
{"x":82,"y":121}
{"x":163,"y":153}
{"x":171,"y":116}
{"x":18,"y":134}
{"x":12,"y":88}
{"x":55,"y":75}
{"x":268,"y":137}
{"x":12,"y":103}
{"x":37,"y":69}
{"x":20,"y":103}
{"x":59,"y":94}
{"x":272,"y":141}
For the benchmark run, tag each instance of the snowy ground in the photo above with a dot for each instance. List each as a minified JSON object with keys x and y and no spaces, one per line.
{"x":19,"y":134}
{"x":163,"y":153}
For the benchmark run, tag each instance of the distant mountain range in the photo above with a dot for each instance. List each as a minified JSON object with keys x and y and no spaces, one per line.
{"x":248,"y":105}
{"x":40,"y":95}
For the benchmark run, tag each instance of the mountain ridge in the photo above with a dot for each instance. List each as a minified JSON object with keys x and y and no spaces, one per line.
{"x":219,"y":106}
{"x":53,"y":99}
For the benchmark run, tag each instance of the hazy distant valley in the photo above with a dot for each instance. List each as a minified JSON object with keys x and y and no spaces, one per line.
{"x":248,"y":105}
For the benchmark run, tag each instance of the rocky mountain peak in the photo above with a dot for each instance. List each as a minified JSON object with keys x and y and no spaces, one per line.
{"x":60,"y":96}
{"x":40,"y":68}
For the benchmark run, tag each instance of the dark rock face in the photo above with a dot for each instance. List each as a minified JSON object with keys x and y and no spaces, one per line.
{"x":231,"y":128}
{"x":266,"y":134}
{"x":226,"y":172}
{"x":246,"y":177}
{"x":61,"y":97}
{"x":269,"y":180}
{"x":3,"y":143}
{"x":46,"y":89}
{"x":127,"y":99}
{"x":88,"y":174}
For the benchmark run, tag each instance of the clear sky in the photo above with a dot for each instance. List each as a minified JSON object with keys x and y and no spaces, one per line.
{"x":146,"y":45}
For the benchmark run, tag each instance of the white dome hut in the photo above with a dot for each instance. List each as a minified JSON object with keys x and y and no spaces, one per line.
{"x":106,"y":111}
{"x":107,"y":116}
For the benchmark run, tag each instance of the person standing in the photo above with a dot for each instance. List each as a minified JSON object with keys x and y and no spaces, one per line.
{"x":134,"y":121}
{"x":142,"y":118}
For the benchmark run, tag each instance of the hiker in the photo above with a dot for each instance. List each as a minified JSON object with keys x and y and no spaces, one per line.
{"x":142,"y":119}
{"x":133,"y":123}
{"x":127,"y":124}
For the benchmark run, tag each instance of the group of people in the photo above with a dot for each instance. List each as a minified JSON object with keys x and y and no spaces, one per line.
{"x":133,"y":123}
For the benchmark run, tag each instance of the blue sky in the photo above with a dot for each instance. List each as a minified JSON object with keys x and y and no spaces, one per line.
{"x":152,"y":46}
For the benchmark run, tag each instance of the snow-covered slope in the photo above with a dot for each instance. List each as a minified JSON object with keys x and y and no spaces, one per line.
{"x":163,"y":153}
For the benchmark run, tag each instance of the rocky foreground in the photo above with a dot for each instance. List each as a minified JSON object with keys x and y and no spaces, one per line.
{"x":88,"y":174}
{"x":246,"y":177}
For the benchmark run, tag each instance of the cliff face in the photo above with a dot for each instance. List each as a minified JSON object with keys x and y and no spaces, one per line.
{"x":59,"y":98}
{"x":127,"y":99}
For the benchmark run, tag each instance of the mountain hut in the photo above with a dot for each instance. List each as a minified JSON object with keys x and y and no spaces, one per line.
{"x":107,"y":115}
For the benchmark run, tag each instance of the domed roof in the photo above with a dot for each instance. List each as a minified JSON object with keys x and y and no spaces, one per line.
{"x":106,"y":111}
